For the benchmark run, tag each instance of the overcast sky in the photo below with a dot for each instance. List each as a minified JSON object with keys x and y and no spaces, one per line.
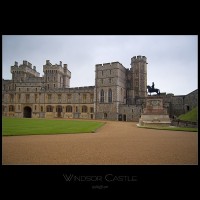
{"x":172,"y":59}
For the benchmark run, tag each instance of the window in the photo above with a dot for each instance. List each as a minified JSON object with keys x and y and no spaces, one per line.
{"x":59,"y":109}
{"x":110,"y":71}
{"x":91,"y":109}
{"x":35,"y":107}
{"x":109,"y":80}
{"x":84,"y":109}
{"x":102,"y":96}
{"x":27,"y":98}
{"x":69,"y":109}
{"x":110,"y":96}
{"x":49,"y":96}
{"x":41,"y":108}
{"x":36,"y":89}
{"x":101,"y":81}
{"x":19,"y":89}
{"x":49,"y":109}
{"x":11,"y":108}
{"x":60,"y":82}
{"x":69,"y":96}
{"x":19,"y":97}
{"x":54,"y":78}
{"x":11,"y":98}
{"x":27,"y":89}
{"x":76,"y":108}
{"x":91,"y":98}
{"x":84,"y":98}
{"x":35,"y":98}
{"x":59,"y":98}
{"x":102,"y":73}
{"x":18,"y":107}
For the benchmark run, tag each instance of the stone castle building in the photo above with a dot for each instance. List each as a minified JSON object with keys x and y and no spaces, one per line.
{"x":119,"y":93}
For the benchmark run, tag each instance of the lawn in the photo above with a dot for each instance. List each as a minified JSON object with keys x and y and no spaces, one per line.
{"x":191,"y":116}
{"x":25,"y":126}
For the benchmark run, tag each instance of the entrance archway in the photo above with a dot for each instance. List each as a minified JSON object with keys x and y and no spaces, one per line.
{"x":27,"y":112}
{"x":59,"y":111}
{"x":120,"y":117}
{"x":124,"y":117}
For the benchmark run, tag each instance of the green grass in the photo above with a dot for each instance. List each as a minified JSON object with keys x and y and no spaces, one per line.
{"x":24,"y":126}
{"x":172,"y":128}
{"x":190,"y":116}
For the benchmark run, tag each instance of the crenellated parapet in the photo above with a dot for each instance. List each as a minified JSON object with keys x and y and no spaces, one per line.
{"x":136,"y":59}
{"x":109,"y":66}
{"x":48,"y":68}
{"x":26,"y":67}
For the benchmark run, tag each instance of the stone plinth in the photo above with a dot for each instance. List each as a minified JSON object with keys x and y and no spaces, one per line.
{"x":154,"y":114}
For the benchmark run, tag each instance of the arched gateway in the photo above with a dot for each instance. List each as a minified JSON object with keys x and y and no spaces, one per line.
{"x":27,"y":112}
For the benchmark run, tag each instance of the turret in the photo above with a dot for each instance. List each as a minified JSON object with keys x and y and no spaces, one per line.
{"x":139,"y":76}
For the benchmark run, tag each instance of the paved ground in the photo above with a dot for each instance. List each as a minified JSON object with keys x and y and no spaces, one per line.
{"x":114,"y":143}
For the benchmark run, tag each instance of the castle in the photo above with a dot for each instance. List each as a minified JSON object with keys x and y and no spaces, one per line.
{"x":119,"y":93}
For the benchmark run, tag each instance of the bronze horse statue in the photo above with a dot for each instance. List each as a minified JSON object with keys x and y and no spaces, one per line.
{"x":151,"y":89}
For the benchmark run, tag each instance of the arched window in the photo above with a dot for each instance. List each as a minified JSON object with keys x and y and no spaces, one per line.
{"x":59,"y":108}
{"x":69,"y":109}
{"x":84,"y":109}
{"x":110,"y":96}
{"x":102,"y":96}
{"x":49,"y":109}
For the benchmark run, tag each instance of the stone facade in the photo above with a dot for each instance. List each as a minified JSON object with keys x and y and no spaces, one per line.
{"x":119,"y":93}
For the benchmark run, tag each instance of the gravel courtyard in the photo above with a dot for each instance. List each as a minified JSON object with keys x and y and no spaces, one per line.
{"x":116,"y":143}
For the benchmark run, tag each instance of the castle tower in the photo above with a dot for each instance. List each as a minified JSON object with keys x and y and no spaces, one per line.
{"x":66,"y":77}
{"x":110,"y":90}
{"x":23,"y":71}
{"x":139,"y":76}
{"x":56,"y":76}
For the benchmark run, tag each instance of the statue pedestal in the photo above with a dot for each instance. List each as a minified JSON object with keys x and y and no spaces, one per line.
{"x":154,"y":115}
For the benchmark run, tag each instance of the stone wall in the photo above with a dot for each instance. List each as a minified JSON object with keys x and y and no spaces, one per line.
{"x":191,"y":100}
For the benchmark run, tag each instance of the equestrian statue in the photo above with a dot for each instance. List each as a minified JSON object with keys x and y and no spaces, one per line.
{"x":152,"y":89}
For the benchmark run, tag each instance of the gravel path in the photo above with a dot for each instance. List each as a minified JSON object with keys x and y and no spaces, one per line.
{"x":114,"y":143}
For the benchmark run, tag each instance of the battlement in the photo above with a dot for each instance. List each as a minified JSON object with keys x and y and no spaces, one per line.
{"x":57,"y":68}
{"x":138,"y":59}
{"x":48,"y":63}
{"x":26,"y":67}
{"x":106,"y":66}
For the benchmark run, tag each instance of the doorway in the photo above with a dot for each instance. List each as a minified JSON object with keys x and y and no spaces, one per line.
{"x":124,"y":117}
{"x":59,"y":111}
{"x":27,"y":112}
